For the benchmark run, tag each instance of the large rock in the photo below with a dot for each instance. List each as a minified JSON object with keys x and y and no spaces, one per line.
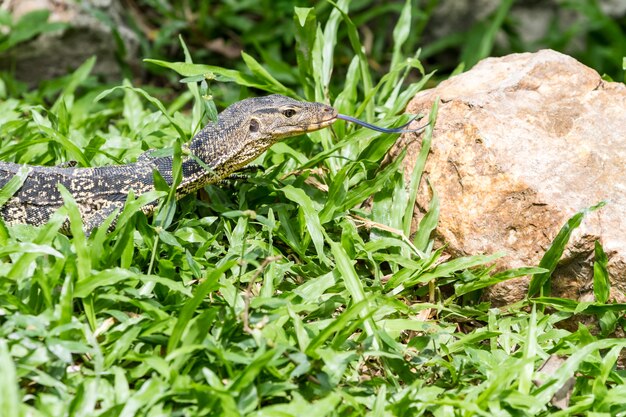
{"x":521,"y":144}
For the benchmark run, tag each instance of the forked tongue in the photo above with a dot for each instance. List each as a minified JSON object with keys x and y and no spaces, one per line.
{"x":399,"y":129}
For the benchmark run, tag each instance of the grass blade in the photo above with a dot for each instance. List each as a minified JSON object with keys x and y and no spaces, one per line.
{"x":465,"y":288}
{"x":153,"y":100}
{"x":272,"y":84}
{"x":353,"y":312}
{"x":210,"y":284}
{"x":601,"y":282}
{"x":549,"y":261}
{"x":220,"y":74}
{"x":305,"y":33}
{"x":46,"y":234}
{"x":353,"y":285}
{"x":10,"y":398}
{"x":353,"y":36}
{"x":416,"y":175}
{"x":445,"y":270}
{"x":311,"y":218}
{"x":83,"y":259}
{"x":13,"y":185}
{"x":429,"y":222}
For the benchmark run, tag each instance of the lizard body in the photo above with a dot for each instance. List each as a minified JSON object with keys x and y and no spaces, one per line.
{"x":243,"y":132}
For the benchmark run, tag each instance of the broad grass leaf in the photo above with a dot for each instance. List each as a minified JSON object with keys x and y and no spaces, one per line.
{"x":133,"y":206}
{"x":147,"y":395}
{"x":428,"y":223}
{"x":165,"y":212}
{"x":219,"y":74}
{"x":298,"y":406}
{"x":86,"y":286}
{"x":66,"y":299}
{"x":544,"y":393}
{"x":401,"y":33}
{"x":387,"y":208}
{"x":361,"y":137}
{"x":346,"y":100}
{"x":14,"y":184}
{"x":252,"y":370}
{"x":395,"y":327}
{"x":312,"y":290}
{"x":329,"y":40}
{"x":576,"y":307}
{"x":210,"y":284}
{"x":347,"y":272}
{"x":376,"y":149}
{"x":10,"y":399}
{"x":83,"y":259}
{"x":97,"y":238}
{"x":336,"y":324}
{"x":203,"y":105}
{"x":305,"y":33}
{"x":272,"y":84}
{"x":354,"y":286}
{"x":133,"y":108}
{"x":446,"y":270}
{"x":317,"y":60}
{"x":65,"y":143}
{"x":464,"y":288}
{"x":601,"y":282}
{"x":153,"y":100}
{"x":357,"y":194}
{"x":61,"y":121}
{"x":188,"y":69}
{"x":45,"y":236}
{"x":85,"y":399}
{"x":31,"y":248}
{"x":353,"y":36}
{"x":549,"y":261}
{"x":418,"y":169}
{"x":289,"y":233}
{"x":336,"y":194}
{"x":78,"y":77}
{"x":311,"y":218}
{"x":608,"y":365}
{"x":529,"y":353}
{"x":469,"y":340}
{"x":400,"y":103}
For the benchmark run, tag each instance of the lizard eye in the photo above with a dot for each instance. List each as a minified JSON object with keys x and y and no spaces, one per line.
{"x":289,"y":112}
{"x":254,"y":125}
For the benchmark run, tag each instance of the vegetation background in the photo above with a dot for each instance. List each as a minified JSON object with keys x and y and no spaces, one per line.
{"x":299,"y":291}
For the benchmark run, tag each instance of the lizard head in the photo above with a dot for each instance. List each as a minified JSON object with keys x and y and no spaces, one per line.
{"x":272,"y":118}
{"x":249,"y":127}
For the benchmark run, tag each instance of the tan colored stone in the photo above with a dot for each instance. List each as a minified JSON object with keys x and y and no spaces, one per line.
{"x":522,"y":143}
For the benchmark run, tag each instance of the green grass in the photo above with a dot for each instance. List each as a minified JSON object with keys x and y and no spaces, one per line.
{"x":296,"y":292}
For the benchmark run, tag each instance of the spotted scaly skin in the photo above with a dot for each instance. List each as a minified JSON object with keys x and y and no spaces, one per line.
{"x":243,"y":132}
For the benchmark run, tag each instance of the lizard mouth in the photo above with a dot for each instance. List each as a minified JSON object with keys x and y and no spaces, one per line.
{"x":329,"y":116}
{"x":322,"y":124}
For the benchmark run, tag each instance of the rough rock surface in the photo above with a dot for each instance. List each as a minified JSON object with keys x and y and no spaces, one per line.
{"x":522,"y":143}
{"x":53,"y":54}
